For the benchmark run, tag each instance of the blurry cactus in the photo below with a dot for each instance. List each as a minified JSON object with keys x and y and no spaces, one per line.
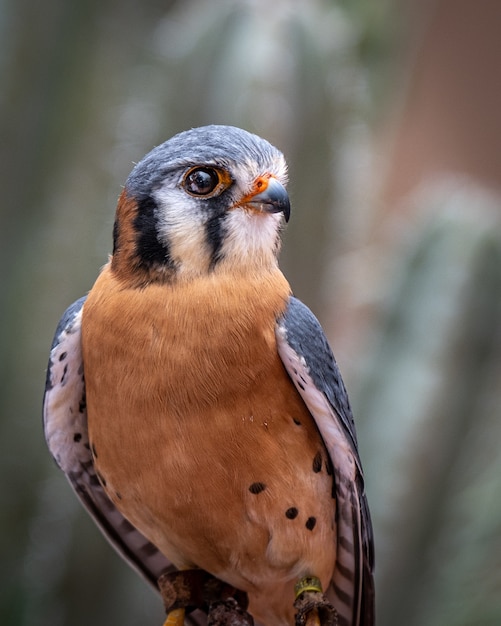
{"x":429,"y":415}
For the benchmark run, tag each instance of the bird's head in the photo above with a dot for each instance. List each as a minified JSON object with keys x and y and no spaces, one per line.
{"x":210,"y":199}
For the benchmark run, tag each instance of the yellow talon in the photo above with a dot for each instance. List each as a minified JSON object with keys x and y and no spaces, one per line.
{"x":307,"y":583}
{"x":175,"y":618}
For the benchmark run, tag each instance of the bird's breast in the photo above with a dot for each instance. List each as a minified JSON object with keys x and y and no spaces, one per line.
{"x":197,"y":431}
{"x":183,"y":347}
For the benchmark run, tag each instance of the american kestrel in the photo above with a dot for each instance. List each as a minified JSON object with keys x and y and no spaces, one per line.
{"x":196,"y":407}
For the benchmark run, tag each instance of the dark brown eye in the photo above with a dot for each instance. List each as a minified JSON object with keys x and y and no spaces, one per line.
{"x":201,"y":181}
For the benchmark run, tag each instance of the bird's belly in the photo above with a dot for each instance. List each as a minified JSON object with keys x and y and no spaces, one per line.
{"x":241,"y":489}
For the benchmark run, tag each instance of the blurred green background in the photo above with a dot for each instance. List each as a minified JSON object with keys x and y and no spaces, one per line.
{"x":389,"y":115}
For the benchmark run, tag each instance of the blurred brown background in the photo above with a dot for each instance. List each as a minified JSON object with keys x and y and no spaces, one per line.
{"x":389,"y":114}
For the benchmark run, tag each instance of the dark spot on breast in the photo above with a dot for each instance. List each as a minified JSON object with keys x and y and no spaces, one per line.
{"x":62,"y":356}
{"x":77,"y":437}
{"x":87,"y":446}
{"x":65,"y":371}
{"x":310,"y":523}
{"x":317,"y":462}
{"x":257,"y":487}
{"x":296,"y":421}
{"x":291,"y":513}
{"x":300,"y":385}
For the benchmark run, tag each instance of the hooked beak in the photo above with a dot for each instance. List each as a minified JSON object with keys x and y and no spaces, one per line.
{"x":271,"y":197}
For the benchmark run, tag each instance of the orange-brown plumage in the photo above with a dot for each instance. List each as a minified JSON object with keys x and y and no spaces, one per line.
{"x":189,"y":405}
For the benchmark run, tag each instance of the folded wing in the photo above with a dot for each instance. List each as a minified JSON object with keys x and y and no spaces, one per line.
{"x":310,"y":363}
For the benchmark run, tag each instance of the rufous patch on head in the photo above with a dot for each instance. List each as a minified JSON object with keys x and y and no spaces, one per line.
{"x":124,"y":235}
{"x":126,"y":262}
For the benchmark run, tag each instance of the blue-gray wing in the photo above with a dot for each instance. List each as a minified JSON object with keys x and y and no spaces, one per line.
{"x":65,"y":426}
{"x":309,"y":361}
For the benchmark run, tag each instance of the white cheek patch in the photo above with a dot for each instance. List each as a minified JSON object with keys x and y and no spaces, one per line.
{"x":181,"y":226}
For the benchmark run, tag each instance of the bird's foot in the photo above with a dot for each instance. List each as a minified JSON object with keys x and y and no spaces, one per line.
{"x":312,"y":607}
{"x":196,"y":589}
{"x":228,"y":613}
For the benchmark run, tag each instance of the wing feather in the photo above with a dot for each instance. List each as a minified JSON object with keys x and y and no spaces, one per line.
{"x":309,"y":361}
